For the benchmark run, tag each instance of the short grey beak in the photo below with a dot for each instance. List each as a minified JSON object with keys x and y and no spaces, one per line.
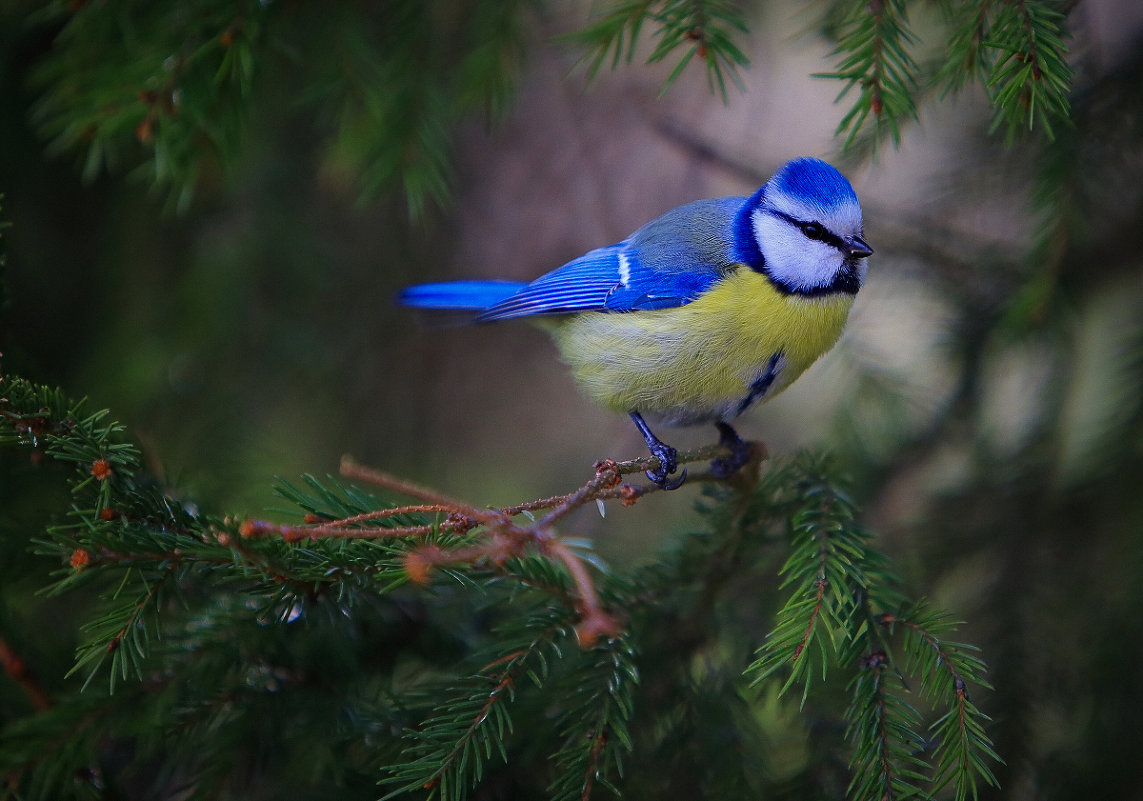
{"x":858,"y":249}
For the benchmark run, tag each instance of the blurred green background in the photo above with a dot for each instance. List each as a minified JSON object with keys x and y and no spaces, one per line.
{"x":987,"y":397}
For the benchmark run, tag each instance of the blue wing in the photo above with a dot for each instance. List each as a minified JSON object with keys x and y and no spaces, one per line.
{"x":606,"y":279}
{"x":668,"y":262}
{"x":579,"y":285}
{"x":472,"y":296}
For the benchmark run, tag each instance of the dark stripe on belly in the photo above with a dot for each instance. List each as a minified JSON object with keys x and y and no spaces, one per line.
{"x":761,"y":384}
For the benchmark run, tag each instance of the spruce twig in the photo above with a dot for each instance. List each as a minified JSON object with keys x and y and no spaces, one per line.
{"x":702,"y":29}
{"x":503,"y":539}
{"x":136,"y":548}
{"x":873,"y":44}
{"x":172,"y":96}
{"x":841,"y":601}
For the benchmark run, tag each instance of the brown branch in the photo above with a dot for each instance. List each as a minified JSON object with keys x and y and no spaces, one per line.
{"x":420,"y":508}
{"x":595,"y":621}
{"x":18,"y":671}
{"x":607,"y":476}
{"x":251,"y":529}
{"x":351,"y":469}
{"x":592,"y":770}
{"x":502,"y":538}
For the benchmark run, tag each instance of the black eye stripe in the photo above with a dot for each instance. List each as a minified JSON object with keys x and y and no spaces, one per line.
{"x":813,"y":230}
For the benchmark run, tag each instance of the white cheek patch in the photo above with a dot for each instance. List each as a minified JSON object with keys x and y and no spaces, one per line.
{"x":792,"y":258}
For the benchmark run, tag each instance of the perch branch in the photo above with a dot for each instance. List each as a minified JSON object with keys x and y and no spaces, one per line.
{"x":502,"y":537}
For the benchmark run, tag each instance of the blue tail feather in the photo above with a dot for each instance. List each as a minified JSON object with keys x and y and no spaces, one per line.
{"x":460,"y":295}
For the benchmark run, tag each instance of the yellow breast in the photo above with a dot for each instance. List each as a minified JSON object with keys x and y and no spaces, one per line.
{"x":698,"y":362}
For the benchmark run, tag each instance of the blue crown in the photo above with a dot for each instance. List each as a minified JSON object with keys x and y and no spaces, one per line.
{"x":813,"y":181}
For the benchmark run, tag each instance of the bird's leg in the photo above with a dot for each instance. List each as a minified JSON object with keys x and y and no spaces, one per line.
{"x":739,"y":452}
{"x":667,"y":456}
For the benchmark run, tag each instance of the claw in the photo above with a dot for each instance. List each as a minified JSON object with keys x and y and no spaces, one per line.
{"x":726,"y":466}
{"x":670,"y":484}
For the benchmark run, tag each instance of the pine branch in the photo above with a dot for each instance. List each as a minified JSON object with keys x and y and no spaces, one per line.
{"x":158,"y":85}
{"x":167,"y":90}
{"x":65,"y":733}
{"x":595,"y":726}
{"x":150,"y":550}
{"x":124,"y":631}
{"x":826,"y":569}
{"x":500,"y":539}
{"x":1016,"y":49}
{"x":1031,"y":76}
{"x":448,"y":752}
{"x":614,"y":32}
{"x":835,"y":615}
{"x":700,"y":28}
{"x":946,"y":669}
{"x":967,"y":58}
{"x":884,"y":729}
{"x":873,"y":43}
{"x":171,"y":587}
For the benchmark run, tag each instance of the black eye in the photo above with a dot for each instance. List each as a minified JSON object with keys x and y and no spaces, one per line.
{"x":814,"y":231}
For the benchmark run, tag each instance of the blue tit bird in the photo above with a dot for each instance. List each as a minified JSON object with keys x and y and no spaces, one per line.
{"x":700,"y":314}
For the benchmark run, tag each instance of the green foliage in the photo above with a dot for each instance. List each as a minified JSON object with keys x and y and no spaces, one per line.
{"x":946,"y":669}
{"x":170,"y":80}
{"x":448,"y":751}
{"x":249,"y":646}
{"x":885,"y":729}
{"x":1016,"y":50}
{"x":843,"y":609}
{"x":873,"y":43}
{"x":704,"y":29}
{"x":831,"y":569}
{"x":168,"y":90}
{"x":409,"y":74}
{"x":595,"y":726}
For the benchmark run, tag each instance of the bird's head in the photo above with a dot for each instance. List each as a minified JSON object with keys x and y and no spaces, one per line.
{"x":803,"y":229}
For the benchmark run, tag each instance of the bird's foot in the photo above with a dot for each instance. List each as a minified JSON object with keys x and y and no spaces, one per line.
{"x":740,"y":452}
{"x":668,"y":457}
{"x":668,"y":463}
